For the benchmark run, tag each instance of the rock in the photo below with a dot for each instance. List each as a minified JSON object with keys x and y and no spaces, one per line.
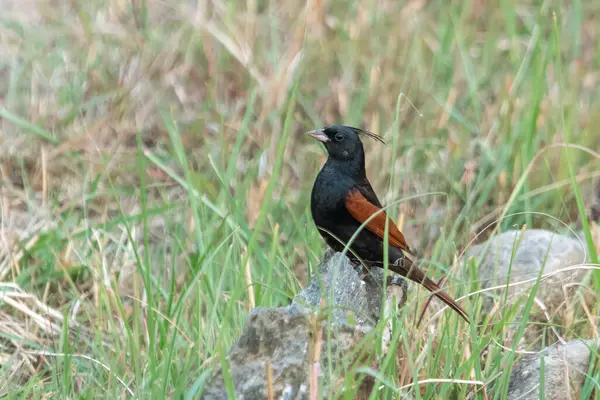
{"x":284,"y":335}
{"x":280,"y":335}
{"x":565,"y":367}
{"x":534,"y":250}
{"x":351,"y":294}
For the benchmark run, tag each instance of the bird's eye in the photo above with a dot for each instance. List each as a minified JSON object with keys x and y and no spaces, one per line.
{"x":339,"y":137}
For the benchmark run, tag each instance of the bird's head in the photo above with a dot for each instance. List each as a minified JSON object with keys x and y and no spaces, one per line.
{"x":343,"y":142}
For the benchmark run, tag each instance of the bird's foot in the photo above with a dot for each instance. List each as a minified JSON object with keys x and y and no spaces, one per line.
{"x":362,"y":270}
{"x":395,"y":281}
{"x":364,"y":275}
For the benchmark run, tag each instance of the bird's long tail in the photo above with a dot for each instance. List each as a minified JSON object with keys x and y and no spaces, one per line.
{"x":408,"y":270}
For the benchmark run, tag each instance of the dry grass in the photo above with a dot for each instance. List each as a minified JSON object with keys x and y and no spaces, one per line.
{"x":135,"y":243}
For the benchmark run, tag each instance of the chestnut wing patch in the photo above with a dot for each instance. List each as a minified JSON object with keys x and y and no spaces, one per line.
{"x":361,"y":209}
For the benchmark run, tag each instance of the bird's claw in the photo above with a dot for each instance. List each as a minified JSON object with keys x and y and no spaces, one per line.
{"x":395,"y":281}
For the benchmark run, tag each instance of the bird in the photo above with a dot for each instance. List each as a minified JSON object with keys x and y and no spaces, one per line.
{"x":342,"y":199}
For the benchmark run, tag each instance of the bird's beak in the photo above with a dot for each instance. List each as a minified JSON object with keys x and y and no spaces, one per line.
{"x":319,"y":135}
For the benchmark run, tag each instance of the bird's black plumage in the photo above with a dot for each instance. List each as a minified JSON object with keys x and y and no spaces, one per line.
{"x":342,"y":199}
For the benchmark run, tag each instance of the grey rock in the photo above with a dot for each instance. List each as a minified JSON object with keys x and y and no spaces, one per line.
{"x":534,"y":249}
{"x":280,"y":335}
{"x":515,"y":256}
{"x":283,"y":335}
{"x":352,"y":291}
{"x":565,"y":367}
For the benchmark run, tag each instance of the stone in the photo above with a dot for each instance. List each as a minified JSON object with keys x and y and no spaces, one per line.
{"x":284,"y":335}
{"x":534,"y":250}
{"x":281,"y":336}
{"x":565,"y":367}
{"x":351,"y":294}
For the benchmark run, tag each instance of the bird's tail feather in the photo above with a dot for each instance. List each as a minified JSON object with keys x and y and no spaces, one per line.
{"x":416,"y":275}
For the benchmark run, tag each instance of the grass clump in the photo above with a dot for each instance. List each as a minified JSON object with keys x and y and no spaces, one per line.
{"x":155,"y":185}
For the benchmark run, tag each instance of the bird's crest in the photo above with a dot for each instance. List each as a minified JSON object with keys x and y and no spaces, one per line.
{"x":359,"y":132}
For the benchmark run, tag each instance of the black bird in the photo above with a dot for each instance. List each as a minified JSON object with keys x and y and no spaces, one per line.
{"x":342,"y":199}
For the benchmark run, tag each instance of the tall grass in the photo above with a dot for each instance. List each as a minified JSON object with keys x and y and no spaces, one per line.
{"x":156,"y":183}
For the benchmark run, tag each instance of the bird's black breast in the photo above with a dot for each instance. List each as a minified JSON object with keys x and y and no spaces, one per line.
{"x":329,"y":212}
{"x":328,"y":197}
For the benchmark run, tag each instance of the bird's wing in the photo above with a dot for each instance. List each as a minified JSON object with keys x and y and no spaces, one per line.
{"x":361,"y":209}
{"x":366,"y":190}
{"x":359,"y":206}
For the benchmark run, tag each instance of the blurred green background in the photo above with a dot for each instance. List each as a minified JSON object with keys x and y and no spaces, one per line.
{"x":153,"y":164}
